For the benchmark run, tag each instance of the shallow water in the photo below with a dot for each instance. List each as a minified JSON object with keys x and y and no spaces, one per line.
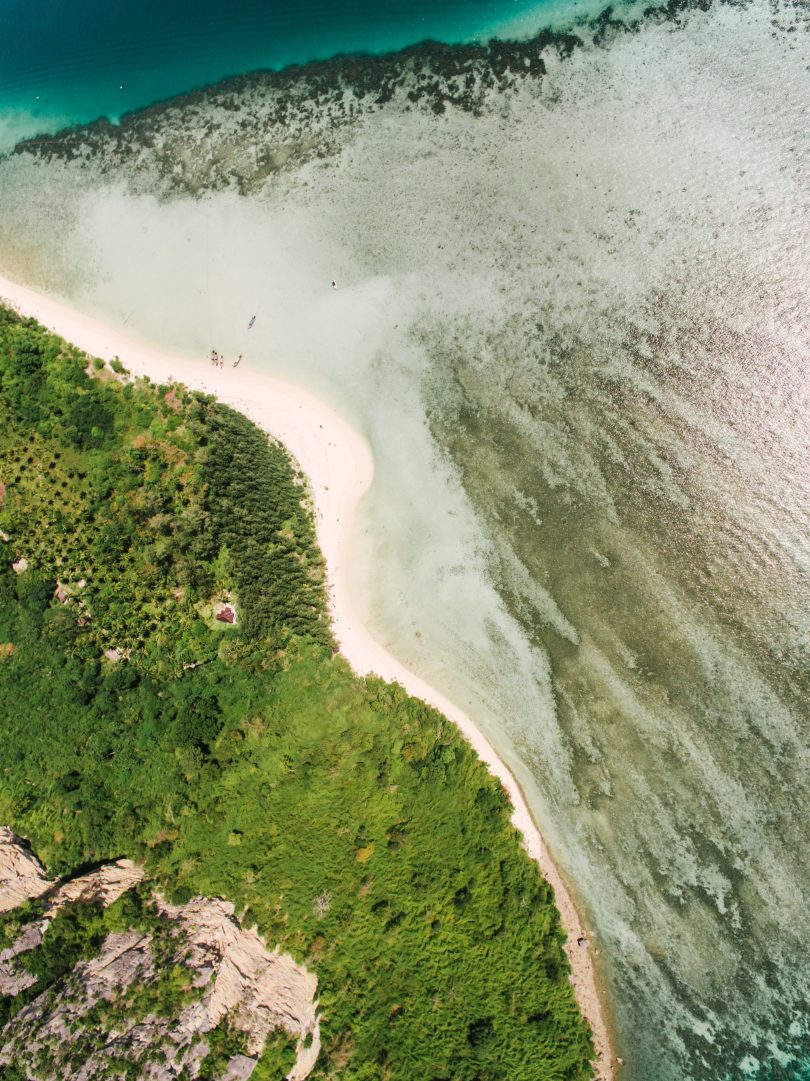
{"x":575,"y":330}
{"x":70,"y":63}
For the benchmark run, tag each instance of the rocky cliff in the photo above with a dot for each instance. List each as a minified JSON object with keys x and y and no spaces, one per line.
{"x":157,"y":990}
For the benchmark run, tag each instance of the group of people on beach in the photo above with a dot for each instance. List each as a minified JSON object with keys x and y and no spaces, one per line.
{"x":219,"y":362}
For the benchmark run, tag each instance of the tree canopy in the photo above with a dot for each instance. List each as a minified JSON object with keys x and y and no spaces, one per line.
{"x":350,"y":822}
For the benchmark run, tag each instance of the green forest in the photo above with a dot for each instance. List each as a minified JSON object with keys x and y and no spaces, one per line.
{"x":349,"y":822}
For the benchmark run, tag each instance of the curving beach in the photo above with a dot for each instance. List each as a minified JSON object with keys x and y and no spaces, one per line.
{"x":339,"y":466}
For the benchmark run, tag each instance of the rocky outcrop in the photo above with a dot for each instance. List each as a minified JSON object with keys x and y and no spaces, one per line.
{"x":21,"y":874}
{"x":103,"y":886}
{"x":22,"y":878}
{"x":43,"y":1034}
{"x":258,"y":991}
{"x":101,"y":1013}
{"x":12,"y":981}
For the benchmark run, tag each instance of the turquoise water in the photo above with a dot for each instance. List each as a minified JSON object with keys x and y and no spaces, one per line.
{"x":574,"y":328}
{"x":67,"y":63}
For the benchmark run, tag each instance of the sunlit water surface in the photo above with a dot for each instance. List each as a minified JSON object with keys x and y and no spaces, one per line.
{"x":575,"y":330}
{"x":64,"y":63}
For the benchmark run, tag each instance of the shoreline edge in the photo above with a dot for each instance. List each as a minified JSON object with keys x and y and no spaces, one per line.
{"x":338,"y":465}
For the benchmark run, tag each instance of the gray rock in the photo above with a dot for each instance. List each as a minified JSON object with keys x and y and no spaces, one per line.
{"x":232,"y":972}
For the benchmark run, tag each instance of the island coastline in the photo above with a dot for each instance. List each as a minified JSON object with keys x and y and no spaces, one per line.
{"x":339,"y":467}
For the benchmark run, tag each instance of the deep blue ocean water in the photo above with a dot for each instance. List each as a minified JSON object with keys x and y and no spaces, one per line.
{"x":66,"y":62}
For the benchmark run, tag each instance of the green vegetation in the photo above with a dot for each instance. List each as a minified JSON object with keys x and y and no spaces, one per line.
{"x":350,"y":822}
{"x":152,"y":499}
{"x":76,"y":933}
{"x":13,"y":921}
{"x":278,"y":1059}
{"x":223,"y":1042}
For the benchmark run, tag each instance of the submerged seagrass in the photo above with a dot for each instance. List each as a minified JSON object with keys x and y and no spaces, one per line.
{"x":572,"y":321}
{"x":349,"y":822}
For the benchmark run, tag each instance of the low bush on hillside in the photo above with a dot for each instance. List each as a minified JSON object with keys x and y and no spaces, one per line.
{"x":349,"y":821}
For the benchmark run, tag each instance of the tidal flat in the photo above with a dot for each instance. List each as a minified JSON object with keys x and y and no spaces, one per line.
{"x":571,"y":320}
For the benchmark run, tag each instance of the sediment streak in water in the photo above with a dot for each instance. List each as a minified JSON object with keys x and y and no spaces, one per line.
{"x":572,"y":323}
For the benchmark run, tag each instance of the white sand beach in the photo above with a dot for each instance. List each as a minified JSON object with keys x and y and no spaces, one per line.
{"x":339,"y":466}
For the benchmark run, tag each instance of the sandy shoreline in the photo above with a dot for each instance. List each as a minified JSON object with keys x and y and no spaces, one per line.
{"x":340,"y":468}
